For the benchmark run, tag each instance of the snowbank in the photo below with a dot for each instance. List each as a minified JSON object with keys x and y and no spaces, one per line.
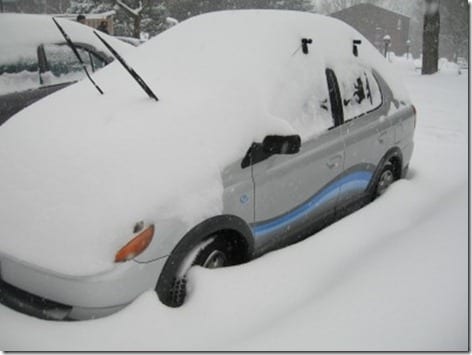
{"x":391,"y":277}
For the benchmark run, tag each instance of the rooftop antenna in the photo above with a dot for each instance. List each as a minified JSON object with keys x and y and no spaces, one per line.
{"x":305,"y":43}
{"x":130,"y":70}
{"x":304,"y":46}
{"x":74,"y":49}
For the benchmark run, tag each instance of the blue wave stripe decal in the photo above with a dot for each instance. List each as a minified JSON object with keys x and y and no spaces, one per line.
{"x":349,"y":183}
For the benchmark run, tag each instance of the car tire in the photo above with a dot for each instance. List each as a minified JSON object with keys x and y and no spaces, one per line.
{"x":385,"y":180}
{"x":214,"y":252}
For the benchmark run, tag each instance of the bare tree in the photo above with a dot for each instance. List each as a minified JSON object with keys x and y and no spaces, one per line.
{"x":455,"y":28}
{"x":135,"y":14}
{"x":431,"y":29}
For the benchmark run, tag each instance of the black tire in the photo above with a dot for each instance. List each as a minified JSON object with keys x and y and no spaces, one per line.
{"x":385,"y":180}
{"x":215,"y":255}
{"x":172,"y":285}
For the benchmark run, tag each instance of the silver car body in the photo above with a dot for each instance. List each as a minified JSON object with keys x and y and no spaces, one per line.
{"x":274,"y":202}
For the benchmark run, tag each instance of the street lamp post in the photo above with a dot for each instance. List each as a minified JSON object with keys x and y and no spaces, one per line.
{"x":387,"y":40}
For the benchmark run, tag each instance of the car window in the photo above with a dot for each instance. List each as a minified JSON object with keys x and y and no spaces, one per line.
{"x":360,"y":92}
{"x":301,"y":97}
{"x":19,"y":70}
{"x":25,"y":64}
{"x":97,"y":62}
{"x":334,"y":97}
{"x":316,"y":117}
{"x":63,"y":65}
{"x":317,"y":109}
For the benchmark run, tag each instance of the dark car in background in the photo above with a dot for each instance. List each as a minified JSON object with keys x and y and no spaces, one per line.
{"x":36,"y":61}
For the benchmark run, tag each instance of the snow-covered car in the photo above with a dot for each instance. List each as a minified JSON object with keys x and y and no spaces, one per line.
{"x":131,"y":40}
{"x":269,"y":125}
{"x":36,"y":61}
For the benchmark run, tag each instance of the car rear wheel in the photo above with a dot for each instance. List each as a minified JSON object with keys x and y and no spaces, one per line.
{"x":386,"y":178}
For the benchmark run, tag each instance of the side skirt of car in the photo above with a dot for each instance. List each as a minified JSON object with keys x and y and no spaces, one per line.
{"x":361,"y":179}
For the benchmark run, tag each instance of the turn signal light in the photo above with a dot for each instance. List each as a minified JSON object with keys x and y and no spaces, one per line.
{"x":136,"y":245}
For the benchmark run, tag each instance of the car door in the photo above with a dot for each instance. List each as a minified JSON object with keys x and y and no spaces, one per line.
{"x":292,"y":192}
{"x":366,"y":129}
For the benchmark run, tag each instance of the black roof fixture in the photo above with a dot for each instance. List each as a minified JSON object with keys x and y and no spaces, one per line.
{"x":355,"y":50}
{"x":305,"y":43}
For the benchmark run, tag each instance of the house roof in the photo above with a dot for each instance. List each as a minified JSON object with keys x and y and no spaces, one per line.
{"x":363,"y":7}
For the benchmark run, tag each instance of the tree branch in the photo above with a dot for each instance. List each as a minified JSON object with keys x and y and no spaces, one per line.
{"x":131,"y":12}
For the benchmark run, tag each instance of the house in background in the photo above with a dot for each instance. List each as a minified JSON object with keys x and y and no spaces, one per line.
{"x":375,"y":23}
{"x":56,"y":8}
{"x":94,"y":20}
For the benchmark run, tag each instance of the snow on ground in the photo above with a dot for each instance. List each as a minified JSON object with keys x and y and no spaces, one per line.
{"x":392,"y":276}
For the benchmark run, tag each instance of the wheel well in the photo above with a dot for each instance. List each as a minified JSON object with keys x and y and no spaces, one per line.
{"x":237,"y":245}
{"x":397,"y":166}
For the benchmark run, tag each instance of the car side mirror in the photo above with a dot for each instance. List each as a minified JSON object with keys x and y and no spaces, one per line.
{"x":281,"y":145}
{"x":271,"y":145}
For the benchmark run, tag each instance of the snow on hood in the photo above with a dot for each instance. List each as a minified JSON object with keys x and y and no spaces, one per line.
{"x":80,"y":169}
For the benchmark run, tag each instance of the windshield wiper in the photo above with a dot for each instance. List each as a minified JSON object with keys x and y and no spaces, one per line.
{"x":74,"y":49}
{"x":130,"y":70}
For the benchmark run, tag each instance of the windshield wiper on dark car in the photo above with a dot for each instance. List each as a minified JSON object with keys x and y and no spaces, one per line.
{"x":74,"y":49}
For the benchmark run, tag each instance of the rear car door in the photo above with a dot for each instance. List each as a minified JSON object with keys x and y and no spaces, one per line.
{"x":366,"y":129}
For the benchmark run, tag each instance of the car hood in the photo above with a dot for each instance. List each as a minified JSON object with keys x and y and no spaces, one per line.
{"x":79,"y":169}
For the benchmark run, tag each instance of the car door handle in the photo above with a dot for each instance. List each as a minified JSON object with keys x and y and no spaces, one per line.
{"x":334,"y":162}
{"x":381,"y":137}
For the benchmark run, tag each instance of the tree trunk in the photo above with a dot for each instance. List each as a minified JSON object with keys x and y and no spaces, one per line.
{"x":137,"y":27}
{"x":431,"y":37}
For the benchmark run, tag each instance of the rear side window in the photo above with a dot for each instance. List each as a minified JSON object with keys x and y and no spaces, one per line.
{"x":19,"y":69}
{"x":26,"y":65}
{"x":63,"y":66}
{"x":97,"y":63}
{"x":360,"y":92}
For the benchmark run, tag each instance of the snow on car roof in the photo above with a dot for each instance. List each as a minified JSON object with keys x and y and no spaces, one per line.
{"x":80,"y":169}
{"x":22,"y":33}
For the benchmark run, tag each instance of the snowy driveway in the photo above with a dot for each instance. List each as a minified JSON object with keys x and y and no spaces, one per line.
{"x":392,"y":276}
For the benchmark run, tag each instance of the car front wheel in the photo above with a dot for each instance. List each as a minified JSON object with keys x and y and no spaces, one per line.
{"x":212,"y":253}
